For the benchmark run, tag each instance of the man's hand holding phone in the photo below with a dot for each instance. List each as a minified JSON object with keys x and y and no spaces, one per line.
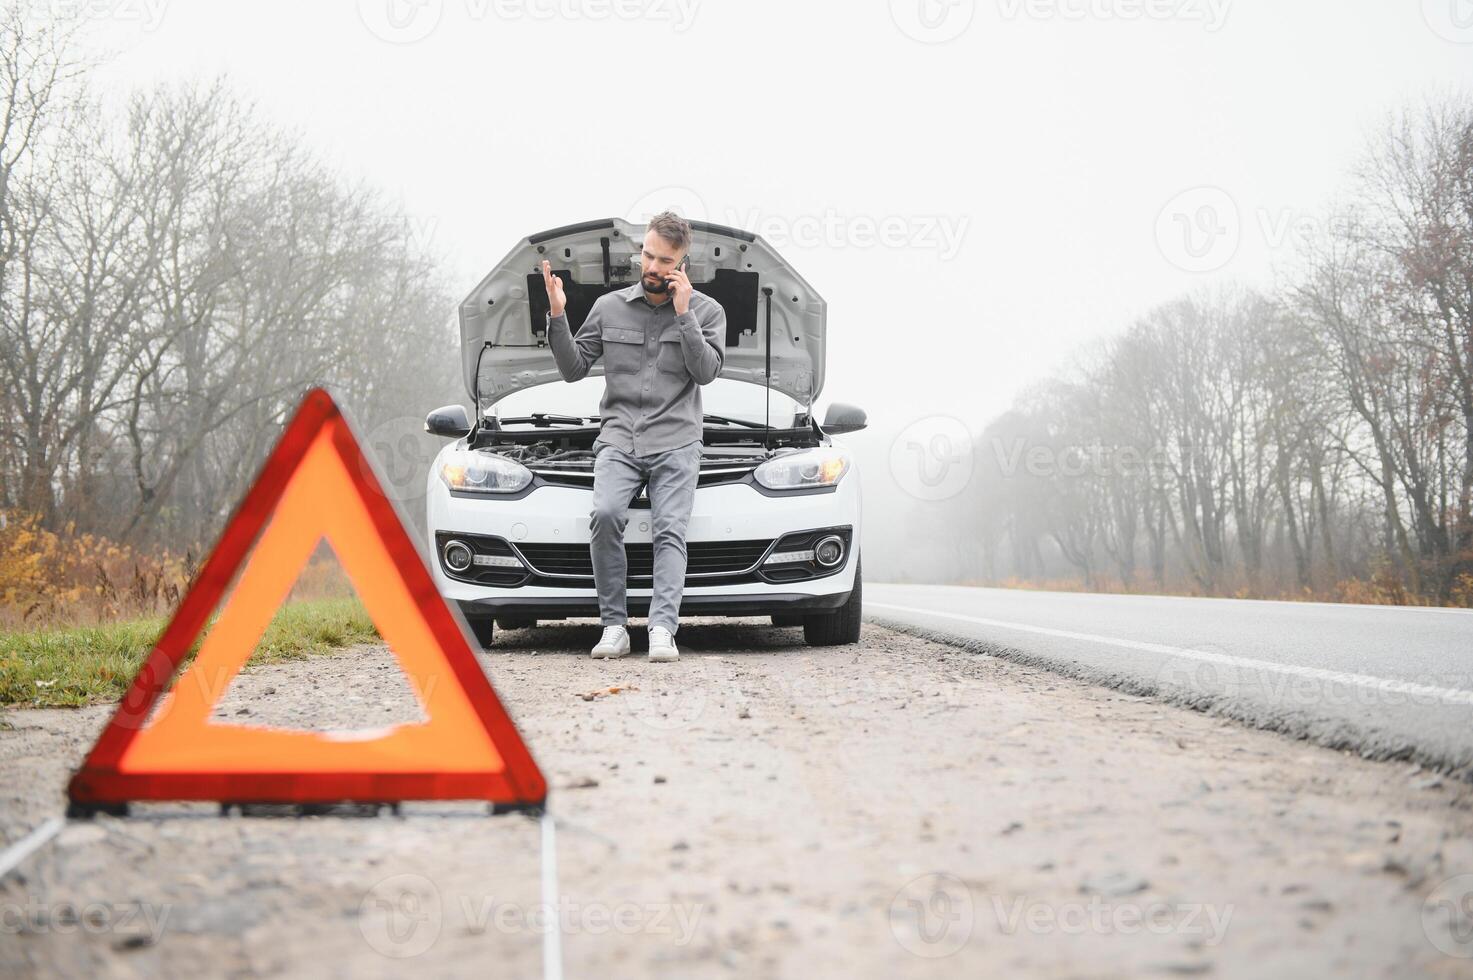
{"x":557,"y":298}
{"x":680,"y":288}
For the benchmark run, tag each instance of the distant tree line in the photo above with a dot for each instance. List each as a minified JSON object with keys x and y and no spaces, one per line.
{"x":174,"y":272}
{"x":1309,"y":440}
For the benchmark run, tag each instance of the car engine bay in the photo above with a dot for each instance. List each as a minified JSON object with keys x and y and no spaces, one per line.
{"x":566,"y":442}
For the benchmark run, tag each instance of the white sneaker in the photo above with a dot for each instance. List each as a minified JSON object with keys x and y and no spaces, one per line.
{"x":614,"y":643}
{"x":662,"y":646}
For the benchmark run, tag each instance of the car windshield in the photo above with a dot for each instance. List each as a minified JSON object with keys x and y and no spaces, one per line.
{"x":732,"y":399}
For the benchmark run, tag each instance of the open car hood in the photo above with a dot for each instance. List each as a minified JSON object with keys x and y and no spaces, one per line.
{"x":503,"y":327}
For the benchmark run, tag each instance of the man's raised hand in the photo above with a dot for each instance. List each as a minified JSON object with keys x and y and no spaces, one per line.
{"x":557,"y":299}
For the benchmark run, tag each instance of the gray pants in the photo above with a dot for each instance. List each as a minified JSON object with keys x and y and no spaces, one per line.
{"x":672,"y":493}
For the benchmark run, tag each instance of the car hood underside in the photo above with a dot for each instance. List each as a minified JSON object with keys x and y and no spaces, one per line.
{"x":502,"y":322}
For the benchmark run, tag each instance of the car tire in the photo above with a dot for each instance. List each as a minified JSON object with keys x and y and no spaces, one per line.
{"x":515,"y":622}
{"x":840,"y":626}
{"x":484,"y":631}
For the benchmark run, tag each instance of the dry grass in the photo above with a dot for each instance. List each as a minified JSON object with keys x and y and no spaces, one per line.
{"x":52,"y":579}
{"x":78,"y":613}
{"x":87,"y":664}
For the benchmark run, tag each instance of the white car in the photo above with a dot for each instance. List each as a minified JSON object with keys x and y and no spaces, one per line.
{"x":775,"y":526}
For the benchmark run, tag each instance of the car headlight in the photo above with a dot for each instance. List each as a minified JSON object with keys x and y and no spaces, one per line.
{"x":480,"y":472}
{"x":821,"y":467}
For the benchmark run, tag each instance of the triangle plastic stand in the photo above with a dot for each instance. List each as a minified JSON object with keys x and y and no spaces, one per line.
{"x":163,"y":745}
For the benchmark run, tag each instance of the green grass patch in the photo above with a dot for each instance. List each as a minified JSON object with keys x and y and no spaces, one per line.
{"x":90,"y":664}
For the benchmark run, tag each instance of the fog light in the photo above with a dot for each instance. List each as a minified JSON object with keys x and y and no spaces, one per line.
{"x":497,"y":561}
{"x":458,"y":556}
{"x":786,"y":557}
{"x":829,"y":551}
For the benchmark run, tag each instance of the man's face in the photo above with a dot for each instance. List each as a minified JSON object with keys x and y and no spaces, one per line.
{"x":657,"y":258}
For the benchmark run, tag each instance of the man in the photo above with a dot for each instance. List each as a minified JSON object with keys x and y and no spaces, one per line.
{"x":660,"y":340}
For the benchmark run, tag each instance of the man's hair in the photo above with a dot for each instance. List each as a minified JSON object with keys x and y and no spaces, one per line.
{"x":673,"y":228}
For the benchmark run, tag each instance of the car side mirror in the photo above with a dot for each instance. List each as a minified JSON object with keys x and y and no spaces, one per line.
{"x":842,"y":418}
{"x":450,"y":421}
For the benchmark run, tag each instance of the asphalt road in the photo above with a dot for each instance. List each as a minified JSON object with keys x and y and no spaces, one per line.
{"x":1388,"y":682}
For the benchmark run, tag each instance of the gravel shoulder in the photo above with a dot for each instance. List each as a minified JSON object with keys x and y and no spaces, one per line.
{"x":901,"y":807}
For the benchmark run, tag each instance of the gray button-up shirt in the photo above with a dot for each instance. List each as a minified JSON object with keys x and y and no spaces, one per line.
{"x":654,"y":365}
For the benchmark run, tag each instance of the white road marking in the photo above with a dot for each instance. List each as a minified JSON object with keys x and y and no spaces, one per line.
{"x":1451,"y":695}
{"x":29,"y":844}
{"x":1150,"y":597}
{"x":552,"y":943}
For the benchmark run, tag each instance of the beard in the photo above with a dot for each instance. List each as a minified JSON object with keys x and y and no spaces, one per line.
{"x":655,"y":284}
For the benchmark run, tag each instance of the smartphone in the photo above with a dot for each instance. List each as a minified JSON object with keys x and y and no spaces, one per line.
{"x":684,"y":264}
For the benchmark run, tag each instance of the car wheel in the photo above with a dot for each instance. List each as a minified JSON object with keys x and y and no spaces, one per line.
{"x":841,"y":625}
{"x":515,"y":622}
{"x":787,"y":619}
{"x":484,"y":630}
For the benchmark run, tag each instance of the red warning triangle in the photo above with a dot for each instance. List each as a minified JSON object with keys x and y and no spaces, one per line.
{"x":316,"y":484}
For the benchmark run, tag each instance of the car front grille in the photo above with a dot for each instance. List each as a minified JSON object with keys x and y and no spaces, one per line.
{"x":702,"y":558}
{"x":710,"y":477}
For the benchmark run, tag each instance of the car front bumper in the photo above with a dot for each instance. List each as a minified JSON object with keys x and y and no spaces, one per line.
{"x":561,"y":607}
{"x":719,"y":513}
